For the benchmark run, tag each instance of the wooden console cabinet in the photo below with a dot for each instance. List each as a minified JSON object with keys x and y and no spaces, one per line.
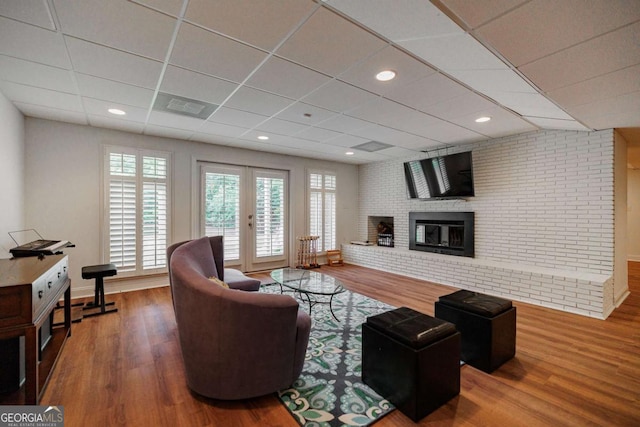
{"x":30,"y":288}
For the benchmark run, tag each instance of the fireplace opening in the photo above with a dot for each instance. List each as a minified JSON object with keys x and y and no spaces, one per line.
{"x":442,"y":232}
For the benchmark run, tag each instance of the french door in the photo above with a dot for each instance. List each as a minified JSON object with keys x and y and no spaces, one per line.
{"x":249,"y":207}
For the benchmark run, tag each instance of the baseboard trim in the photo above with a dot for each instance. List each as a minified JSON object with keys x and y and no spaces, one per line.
{"x":120,"y":285}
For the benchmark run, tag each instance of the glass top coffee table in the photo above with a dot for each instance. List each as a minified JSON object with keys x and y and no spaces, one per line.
{"x":310,"y":285}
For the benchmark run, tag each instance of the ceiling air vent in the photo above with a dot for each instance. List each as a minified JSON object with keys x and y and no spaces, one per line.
{"x":185,"y":106}
{"x":372,"y":146}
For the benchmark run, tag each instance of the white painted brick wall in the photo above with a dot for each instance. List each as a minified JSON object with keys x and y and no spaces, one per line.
{"x":544,"y":200}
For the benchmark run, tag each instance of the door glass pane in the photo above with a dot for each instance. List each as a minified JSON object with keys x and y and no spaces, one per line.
{"x":269,"y":220}
{"x":222,"y":210}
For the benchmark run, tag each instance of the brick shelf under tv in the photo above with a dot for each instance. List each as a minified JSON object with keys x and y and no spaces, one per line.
{"x":549,"y":287}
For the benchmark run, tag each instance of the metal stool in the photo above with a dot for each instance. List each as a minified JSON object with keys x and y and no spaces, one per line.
{"x":99,"y":272}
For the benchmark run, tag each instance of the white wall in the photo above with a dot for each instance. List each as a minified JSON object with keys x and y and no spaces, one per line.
{"x":544,"y":221}
{"x":64,"y":179}
{"x":12,"y":187}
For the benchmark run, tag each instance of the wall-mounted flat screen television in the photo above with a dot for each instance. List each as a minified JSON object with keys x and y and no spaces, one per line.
{"x":444,"y":177}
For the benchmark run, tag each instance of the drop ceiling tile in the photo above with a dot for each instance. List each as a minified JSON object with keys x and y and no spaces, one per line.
{"x":599,"y":88}
{"x":381,"y":110}
{"x":111,"y":64}
{"x":460,"y":106}
{"x":231,"y":116}
{"x":167,"y":132}
{"x":347,"y":141}
{"x":475,"y":13}
{"x":530,"y":104}
{"x":262,"y":23}
{"x":298,"y":144}
{"x":403,"y":153}
{"x":176,"y":121}
{"x":502,"y":123}
{"x":317,"y":134}
{"x":470,"y":54}
{"x":257,"y":101}
{"x":342,"y":123}
{"x":214,"y":139}
{"x":394,"y":115}
{"x":392,"y":137}
{"x":407,"y":68}
{"x":97,"y":107}
{"x":538,"y":28}
{"x":35,"y":12}
{"x":170,"y":7}
{"x":246,"y":144}
{"x":450,"y":133}
{"x":611,"y":52}
{"x":108,"y":90}
{"x":280,"y":127}
{"x":201,"y":50}
{"x":493,"y":80}
{"x":38,"y":96}
{"x":616,"y":112}
{"x":375,"y":132}
{"x":190,"y":84}
{"x":406,"y":20}
{"x":117,"y":23}
{"x":545,"y":123}
{"x":33,"y":44}
{"x":427,"y":91}
{"x":114,"y":123}
{"x":339,"y":96}
{"x":211,"y":128}
{"x":298,"y":82}
{"x":51,"y":113}
{"x":326,"y":51}
{"x":33,"y":74}
{"x":296,"y":113}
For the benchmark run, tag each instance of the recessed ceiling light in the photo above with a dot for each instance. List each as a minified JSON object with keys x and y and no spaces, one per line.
{"x":116,"y":111}
{"x":263,"y":137}
{"x":349,"y":153}
{"x":386,"y":75}
{"x":483,"y":119}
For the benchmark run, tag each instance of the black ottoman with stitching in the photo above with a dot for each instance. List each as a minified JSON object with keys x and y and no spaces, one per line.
{"x":412,"y":360}
{"x":486,"y":323}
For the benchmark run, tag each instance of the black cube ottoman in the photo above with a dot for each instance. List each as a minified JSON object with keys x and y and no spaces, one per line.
{"x":412,"y":360}
{"x":487,"y":325}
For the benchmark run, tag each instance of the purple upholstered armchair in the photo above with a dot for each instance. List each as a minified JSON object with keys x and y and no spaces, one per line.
{"x":232,"y":277}
{"x":235,"y":344}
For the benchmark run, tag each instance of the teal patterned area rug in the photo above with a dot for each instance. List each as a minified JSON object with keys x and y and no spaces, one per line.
{"x":330,"y":391}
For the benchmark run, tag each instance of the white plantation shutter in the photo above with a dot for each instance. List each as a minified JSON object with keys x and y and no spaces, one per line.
{"x":137,"y":198}
{"x":122,"y":223}
{"x":322,"y":208}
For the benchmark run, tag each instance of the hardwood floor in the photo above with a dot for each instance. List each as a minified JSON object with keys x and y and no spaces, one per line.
{"x":569,"y":370}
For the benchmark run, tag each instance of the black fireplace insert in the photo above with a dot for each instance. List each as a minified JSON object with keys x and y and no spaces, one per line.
{"x":448,"y":233}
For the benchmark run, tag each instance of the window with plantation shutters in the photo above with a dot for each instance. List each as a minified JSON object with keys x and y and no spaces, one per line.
{"x":322,"y":208}
{"x":137,"y":200}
